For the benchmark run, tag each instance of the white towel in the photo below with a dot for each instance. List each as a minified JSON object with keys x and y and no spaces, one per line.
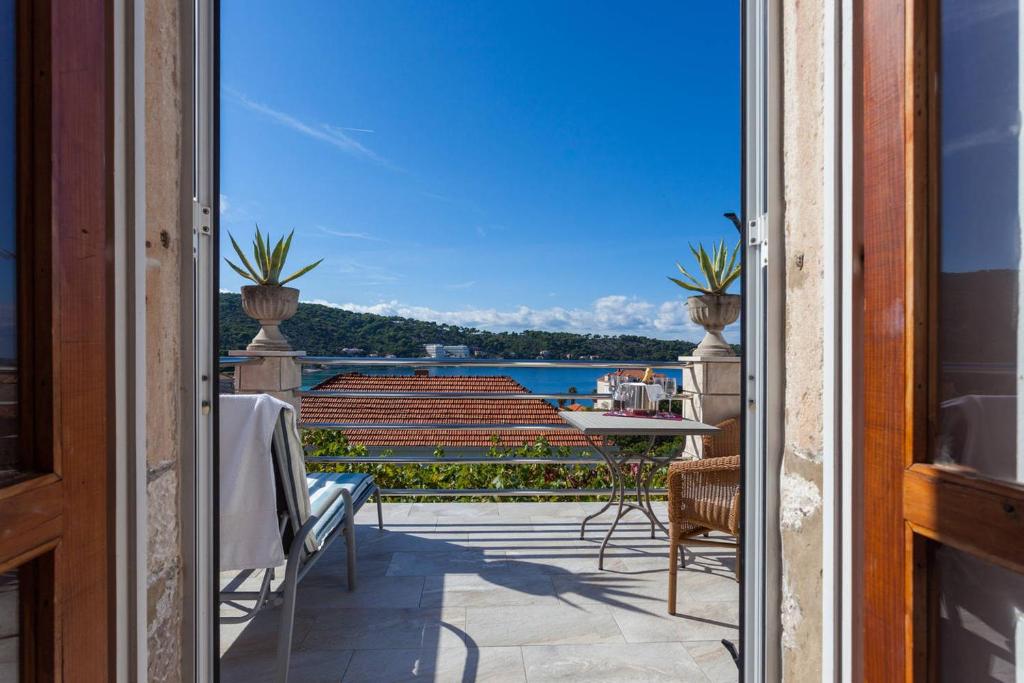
{"x":249,"y":534}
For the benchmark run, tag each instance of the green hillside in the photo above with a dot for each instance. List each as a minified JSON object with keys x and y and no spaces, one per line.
{"x":324,"y":331}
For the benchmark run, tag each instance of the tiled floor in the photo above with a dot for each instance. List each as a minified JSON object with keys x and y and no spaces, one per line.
{"x":499,"y":592}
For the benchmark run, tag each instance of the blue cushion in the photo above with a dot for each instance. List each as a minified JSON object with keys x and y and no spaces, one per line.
{"x":325,"y":499}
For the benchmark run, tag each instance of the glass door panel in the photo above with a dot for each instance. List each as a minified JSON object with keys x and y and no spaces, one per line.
{"x":981,"y":619}
{"x":975,"y":605}
{"x":979,"y":282}
{"x":10,"y":626}
{"x":8,"y":232}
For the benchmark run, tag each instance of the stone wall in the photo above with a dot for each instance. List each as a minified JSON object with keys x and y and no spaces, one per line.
{"x":168,"y":240}
{"x":801,"y":477}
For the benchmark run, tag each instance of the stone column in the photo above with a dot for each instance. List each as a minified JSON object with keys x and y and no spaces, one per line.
{"x":277,"y":373}
{"x":712,"y":385}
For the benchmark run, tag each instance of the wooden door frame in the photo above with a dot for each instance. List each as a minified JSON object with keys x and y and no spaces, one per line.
{"x":884,"y":205}
{"x":61,"y":515}
{"x":898,"y":201}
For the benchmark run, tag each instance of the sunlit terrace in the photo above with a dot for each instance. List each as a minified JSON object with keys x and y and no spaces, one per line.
{"x":499,"y":592}
{"x":504,"y":586}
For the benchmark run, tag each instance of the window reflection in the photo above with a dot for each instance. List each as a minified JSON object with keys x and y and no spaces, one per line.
{"x":8,"y":272}
{"x":9,"y":626}
{"x":980,"y":284}
{"x":981,"y":619}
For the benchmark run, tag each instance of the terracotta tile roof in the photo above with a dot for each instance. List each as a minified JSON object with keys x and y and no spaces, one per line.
{"x":436,"y":411}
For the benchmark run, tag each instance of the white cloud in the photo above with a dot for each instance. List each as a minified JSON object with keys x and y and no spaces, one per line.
{"x":332,"y":135}
{"x":349,"y":235}
{"x":362,"y":274}
{"x":613,"y":314}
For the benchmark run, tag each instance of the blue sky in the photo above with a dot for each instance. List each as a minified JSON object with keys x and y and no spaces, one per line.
{"x":504,"y":165}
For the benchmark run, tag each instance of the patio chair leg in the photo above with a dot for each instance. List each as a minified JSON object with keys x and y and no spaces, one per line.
{"x":291,"y":586}
{"x":350,"y":539}
{"x":380,"y":512}
{"x":673,"y":569}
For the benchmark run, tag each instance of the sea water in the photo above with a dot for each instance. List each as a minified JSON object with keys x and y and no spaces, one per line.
{"x":536,"y":380}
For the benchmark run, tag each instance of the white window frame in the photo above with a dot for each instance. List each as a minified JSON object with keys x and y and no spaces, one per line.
{"x":199,"y":488}
{"x":129,"y":258}
{"x":842,"y":403}
{"x":762,"y":340}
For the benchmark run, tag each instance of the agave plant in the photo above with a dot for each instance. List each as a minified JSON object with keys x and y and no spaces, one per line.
{"x":718,"y":273}
{"x":269,"y":261}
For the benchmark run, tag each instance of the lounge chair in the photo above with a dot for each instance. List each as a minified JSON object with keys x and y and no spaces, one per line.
{"x":313,"y":510}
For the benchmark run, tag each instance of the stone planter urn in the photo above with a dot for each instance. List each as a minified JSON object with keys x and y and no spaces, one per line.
{"x":714,"y":312}
{"x":270,"y":305}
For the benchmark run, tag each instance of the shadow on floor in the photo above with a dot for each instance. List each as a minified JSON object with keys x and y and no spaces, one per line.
{"x":427,"y":586}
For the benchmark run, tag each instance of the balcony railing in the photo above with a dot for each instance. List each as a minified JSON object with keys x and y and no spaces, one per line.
{"x":469,"y":455}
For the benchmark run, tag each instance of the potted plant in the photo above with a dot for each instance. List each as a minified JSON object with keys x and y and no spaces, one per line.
{"x":268,"y":300}
{"x":712,"y":308}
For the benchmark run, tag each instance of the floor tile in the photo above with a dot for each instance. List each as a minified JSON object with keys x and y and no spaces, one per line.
{"x":612,"y":590}
{"x":694,"y":621}
{"x":454,"y":587}
{"x":541,"y":624}
{"x":392,"y":511}
{"x":668,"y":662}
{"x":479,"y":665}
{"x":503,"y":534}
{"x":324,"y":666}
{"x":411,"y":541}
{"x":377,"y":591}
{"x":490,"y":589}
{"x":556,"y":560}
{"x":714,"y":660}
{"x":572,"y":510}
{"x":260,"y":633}
{"x":704,"y":586}
{"x":375,"y":629}
{"x":332,"y":571}
{"x":458,"y":561}
{"x":455,"y":511}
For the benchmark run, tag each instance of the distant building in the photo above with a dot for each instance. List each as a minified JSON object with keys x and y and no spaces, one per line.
{"x":353,"y":352}
{"x":450,"y":351}
{"x":606,"y":384}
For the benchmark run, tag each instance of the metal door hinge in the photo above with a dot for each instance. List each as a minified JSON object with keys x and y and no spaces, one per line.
{"x":202,"y":219}
{"x":757,"y":237}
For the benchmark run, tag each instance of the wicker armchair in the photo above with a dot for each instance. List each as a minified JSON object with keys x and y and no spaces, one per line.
{"x":723,"y":443}
{"x":703,"y":496}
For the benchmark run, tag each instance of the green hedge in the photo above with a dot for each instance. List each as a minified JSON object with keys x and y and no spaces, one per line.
{"x":496,"y":476}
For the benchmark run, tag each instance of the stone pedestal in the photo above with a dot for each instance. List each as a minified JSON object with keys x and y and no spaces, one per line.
{"x":712,"y":386}
{"x":277,"y":373}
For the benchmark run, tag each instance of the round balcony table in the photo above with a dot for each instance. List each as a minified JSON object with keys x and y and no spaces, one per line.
{"x":596,"y":424}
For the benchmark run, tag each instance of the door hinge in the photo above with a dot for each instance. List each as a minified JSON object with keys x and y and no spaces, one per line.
{"x":757,"y":237}
{"x":201,"y":225}
{"x":202,"y":220}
